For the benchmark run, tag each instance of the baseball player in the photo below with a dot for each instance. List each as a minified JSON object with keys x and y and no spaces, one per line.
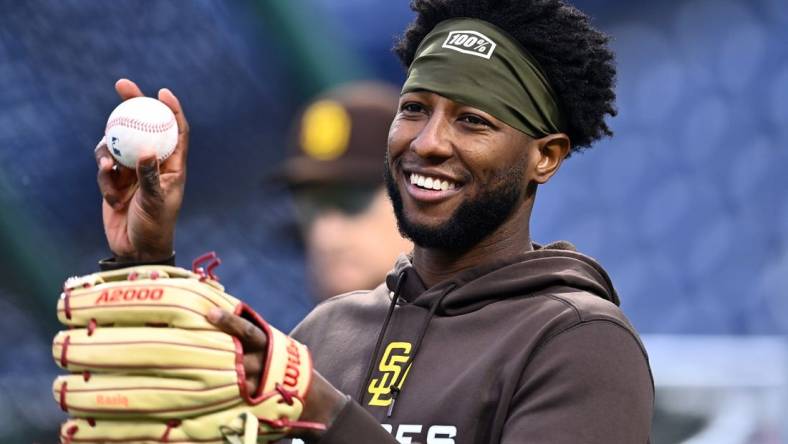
{"x":479,"y":335}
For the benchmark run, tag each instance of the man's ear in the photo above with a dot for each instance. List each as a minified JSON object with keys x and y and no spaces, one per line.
{"x":552,"y":150}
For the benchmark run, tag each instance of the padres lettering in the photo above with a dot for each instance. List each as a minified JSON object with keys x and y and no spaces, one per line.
{"x":395,"y":355}
{"x":129,"y":294}
{"x":415,"y":433}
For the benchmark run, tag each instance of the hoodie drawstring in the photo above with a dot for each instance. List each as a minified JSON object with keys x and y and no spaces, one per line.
{"x":381,"y":335}
{"x":393,"y":388}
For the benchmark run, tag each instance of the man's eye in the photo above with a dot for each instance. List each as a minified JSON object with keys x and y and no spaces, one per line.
{"x":412,"y":107}
{"x":474,"y":120}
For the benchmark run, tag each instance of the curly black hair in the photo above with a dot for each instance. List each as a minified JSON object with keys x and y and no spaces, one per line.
{"x":574,"y":56}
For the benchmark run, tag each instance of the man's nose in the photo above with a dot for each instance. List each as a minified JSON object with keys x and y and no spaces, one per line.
{"x":434,"y":139}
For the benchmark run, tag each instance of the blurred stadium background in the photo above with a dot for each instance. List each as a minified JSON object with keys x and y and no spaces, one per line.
{"x":686,"y":206}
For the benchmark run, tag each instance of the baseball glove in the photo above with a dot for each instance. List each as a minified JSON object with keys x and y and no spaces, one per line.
{"x":147,"y":367}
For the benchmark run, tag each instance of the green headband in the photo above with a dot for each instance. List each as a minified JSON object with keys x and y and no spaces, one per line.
{"x":474,"y":62}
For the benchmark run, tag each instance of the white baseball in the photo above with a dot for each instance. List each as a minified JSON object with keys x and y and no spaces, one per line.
{"x":138,"y":123}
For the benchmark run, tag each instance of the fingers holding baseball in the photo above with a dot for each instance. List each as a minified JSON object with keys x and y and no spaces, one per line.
{"x":176,"y":161}
{"x":142,"y":198}
{"x":152,"y":197}
{"x":115,"y":183}
{"x":127,"y":89}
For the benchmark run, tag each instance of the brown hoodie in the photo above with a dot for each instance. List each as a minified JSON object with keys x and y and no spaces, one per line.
{"x":532,"y":349}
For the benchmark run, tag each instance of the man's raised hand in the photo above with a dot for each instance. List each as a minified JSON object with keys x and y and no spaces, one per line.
{"x":140,"y":207}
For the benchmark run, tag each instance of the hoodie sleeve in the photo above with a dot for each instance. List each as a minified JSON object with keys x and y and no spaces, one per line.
{"x":354,"y":424}
{"x":590,"y":383}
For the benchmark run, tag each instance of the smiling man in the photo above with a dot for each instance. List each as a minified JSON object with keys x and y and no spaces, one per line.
{"x":484,"y":336}
{"x":480,"y":335}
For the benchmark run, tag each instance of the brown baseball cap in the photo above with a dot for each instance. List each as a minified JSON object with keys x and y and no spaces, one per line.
{"x":340,"y":136}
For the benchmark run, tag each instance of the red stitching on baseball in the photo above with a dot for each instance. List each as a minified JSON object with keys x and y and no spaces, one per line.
{"x":140,"y":125}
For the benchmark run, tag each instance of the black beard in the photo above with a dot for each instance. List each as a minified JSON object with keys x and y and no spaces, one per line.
{"x":471,"y":222}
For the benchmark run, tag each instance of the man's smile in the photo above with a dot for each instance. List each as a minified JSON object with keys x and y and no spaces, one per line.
{"x":431,"y":183}
{"x":428,"y":187}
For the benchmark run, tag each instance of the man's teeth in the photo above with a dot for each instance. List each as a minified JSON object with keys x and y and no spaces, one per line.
{"x":431,"y":183}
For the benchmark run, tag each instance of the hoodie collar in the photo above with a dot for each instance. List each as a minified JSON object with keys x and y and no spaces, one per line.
{"x":546,"y":267}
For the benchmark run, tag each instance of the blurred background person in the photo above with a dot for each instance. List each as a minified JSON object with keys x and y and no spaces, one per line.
{"x":334,"y":170}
